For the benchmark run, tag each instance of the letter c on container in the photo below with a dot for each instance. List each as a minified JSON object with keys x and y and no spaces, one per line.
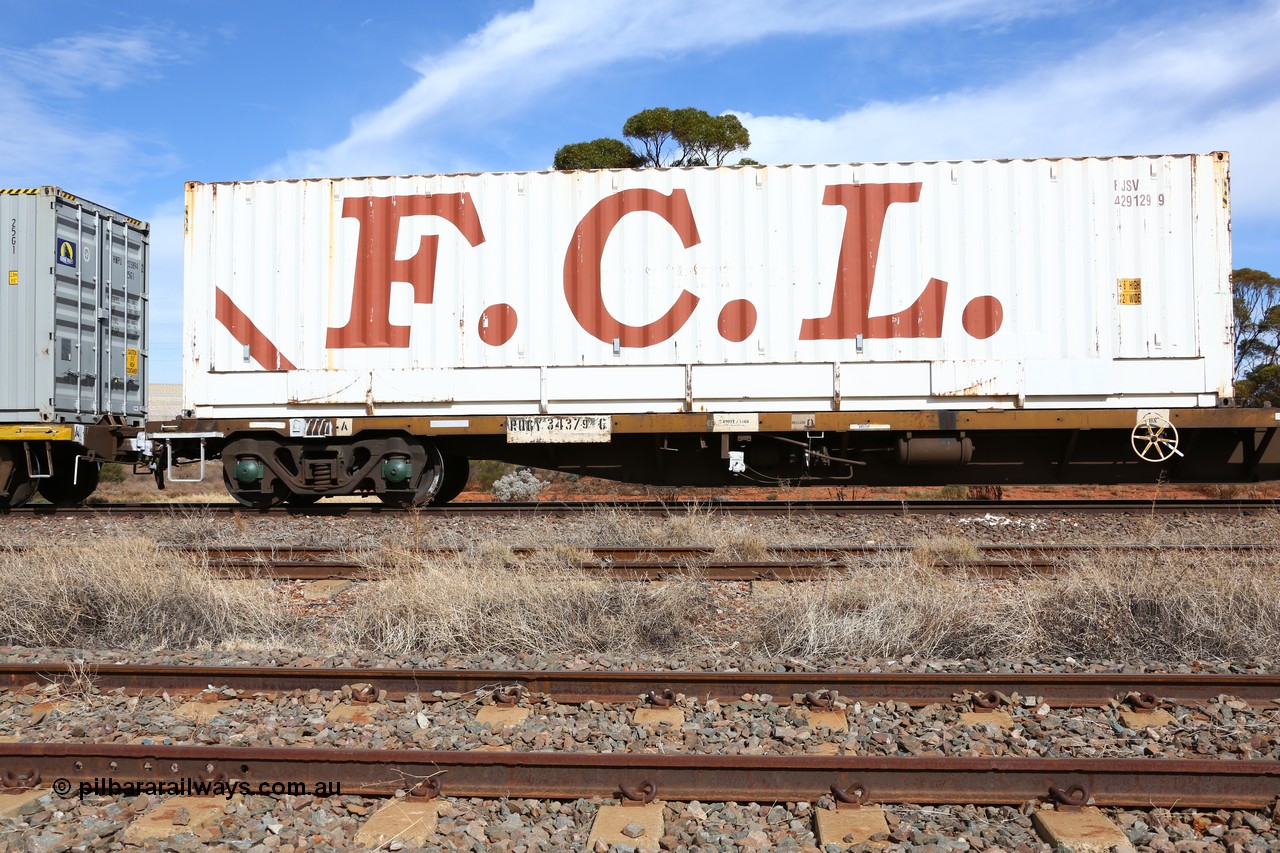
{"x":582,"y":277}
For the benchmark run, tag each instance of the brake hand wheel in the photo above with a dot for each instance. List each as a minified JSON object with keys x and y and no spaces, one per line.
{"x":1155,"y":439}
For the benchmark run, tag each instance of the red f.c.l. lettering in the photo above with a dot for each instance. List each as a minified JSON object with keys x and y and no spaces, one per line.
{"x":582,"y":266}
{"x":376,"y":266}
{"x":865,"y":208}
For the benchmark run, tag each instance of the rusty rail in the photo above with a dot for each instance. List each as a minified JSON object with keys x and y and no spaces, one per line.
{"x":783,"y":564}
{"x":1202,"y":783}
{"x":572,"y":687}
{"x":999,"y":561}
{"x":772,"y":554}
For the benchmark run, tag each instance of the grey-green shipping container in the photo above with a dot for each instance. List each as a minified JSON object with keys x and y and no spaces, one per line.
{"x":73,"y":310}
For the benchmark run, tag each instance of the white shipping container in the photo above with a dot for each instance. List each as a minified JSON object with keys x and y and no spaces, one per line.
{"x":995,"y":284}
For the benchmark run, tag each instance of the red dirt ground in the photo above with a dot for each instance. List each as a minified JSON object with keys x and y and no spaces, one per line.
{"x":590,"y":489}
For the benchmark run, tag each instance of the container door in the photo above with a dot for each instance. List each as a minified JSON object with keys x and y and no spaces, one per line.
{"x":134,"y":327}
{"x":1148,"y":204}
{"x":19,"y":339}
{"x":75,"y":326}
{"x":121,"y":302}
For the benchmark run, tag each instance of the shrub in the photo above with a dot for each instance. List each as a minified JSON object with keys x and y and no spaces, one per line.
{"x":519,"y":485}
{"x":112,"y":472}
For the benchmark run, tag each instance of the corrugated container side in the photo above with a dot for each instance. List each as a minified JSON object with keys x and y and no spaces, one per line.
{"x":1092,"y":282}
{"x":72,"y":310}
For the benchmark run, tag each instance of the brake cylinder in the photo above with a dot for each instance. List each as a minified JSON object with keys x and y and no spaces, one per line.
{"x":935,"y":451}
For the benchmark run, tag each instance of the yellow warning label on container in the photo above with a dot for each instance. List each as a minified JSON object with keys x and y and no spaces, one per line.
{"x":131,"y":361}
{"x":13,"y":276}
{"x":1130,"y":291}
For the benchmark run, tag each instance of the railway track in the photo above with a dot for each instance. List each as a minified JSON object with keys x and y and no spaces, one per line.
{"x":653,"y":563}
{"x":816,"y":507}
{"x":1011,"y":561}
{"x":994,"y":561}
{"x":576,"y":686}
{"x":1204,"y":783}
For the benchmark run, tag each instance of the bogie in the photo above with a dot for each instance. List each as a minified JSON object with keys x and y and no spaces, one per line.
{"x":400,"y":470}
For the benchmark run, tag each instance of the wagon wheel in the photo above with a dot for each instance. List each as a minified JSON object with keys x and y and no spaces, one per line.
{"x":1155,"y":439}
{"x":59,"y":489}
{"x":457,"y":471}
{"x":427,"y":486}
{"x":255,"y":500}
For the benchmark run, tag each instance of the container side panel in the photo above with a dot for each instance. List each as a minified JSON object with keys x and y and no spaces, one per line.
{"x":982,"y":283}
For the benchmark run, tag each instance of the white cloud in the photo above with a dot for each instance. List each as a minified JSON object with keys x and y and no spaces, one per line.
{"x":1211,"y":84}
{"x":49,"y":140}
{"x":84,"y":159}
{"x":107,"y":60}
{"x":518,"y":55}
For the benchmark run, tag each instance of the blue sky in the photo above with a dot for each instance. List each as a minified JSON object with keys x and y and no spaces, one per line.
{"x":122,"y":103}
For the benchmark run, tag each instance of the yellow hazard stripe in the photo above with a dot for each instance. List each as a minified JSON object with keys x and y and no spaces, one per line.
{"x":137,"y":223}
{"x":36,"y":432}
{"x":69,"y":197}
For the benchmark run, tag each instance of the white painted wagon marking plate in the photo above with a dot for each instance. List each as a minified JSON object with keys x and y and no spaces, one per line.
{"x":735,"y":422}
{"x":560,"y":429}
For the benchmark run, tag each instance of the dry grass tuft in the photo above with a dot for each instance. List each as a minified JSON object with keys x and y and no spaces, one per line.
{"x":198,"y":528}
{"x":79,"y":681}
{"x":731,"y":537}
{"x":476,"y":604}
{"x":571,"y":555}
{"x":1105,"y":604}
{"x":945,"y":550}
{"x":128,"y":593}
{"x":748,"y":547}
{"x":1167,"y":605}
{"x":888,"y":609}
{"x":613,"y":526}
{"x":490,"y":553}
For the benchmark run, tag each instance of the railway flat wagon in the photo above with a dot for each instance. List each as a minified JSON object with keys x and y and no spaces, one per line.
{"x":971,"y":322}
{"x":73,"y":342}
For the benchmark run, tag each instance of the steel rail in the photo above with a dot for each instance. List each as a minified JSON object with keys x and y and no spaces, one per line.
{"x":799,"y":564}
{"x":1201,"y":783}
{"x":784,"y":564}
{"x":645,"y":570}
{"x":777,"y":553}
{"x":720,"y":572}
{"x":576,"y":686}
{"x":770,"y":508}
